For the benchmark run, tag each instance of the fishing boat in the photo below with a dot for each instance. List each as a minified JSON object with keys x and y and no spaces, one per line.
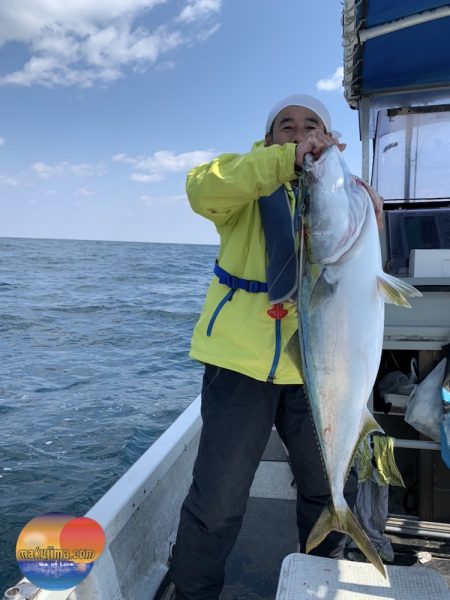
{"x":397,"y":75}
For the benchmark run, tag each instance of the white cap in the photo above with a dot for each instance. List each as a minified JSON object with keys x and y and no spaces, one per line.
{"x":300,"y":100}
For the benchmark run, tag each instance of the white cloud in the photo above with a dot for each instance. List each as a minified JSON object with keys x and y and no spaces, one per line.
{"x":25,"y":20}
{"x":167,"y":65}
{"x":331,"y":83}
{"x":142,"y":178}
{"x":157,"y":166}
{"x":121,"y":157}
{"x":204,"y":34}
{"x":9,"y":180}
{"x":88,"y":170}
{"x":46,"y":171}
{"x":98,"y":57}
{"x":163,"y":200}
{"x":84,"y":192}
{"x":199,"y":9}
{"x":41,"y":171}
{"x":83,"y":43}
{"x":2,"y":141}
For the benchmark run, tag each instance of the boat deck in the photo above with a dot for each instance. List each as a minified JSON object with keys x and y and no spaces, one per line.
{"x":269,"y":534}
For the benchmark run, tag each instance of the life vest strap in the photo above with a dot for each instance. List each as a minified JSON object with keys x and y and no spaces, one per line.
{"x":233,"y":282}
{"x":277,"y":312}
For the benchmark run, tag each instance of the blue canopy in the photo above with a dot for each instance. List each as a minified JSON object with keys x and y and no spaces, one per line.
{"x":384,"y":11}
{"x":395,"y":46}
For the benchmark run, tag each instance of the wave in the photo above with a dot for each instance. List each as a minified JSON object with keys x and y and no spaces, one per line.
{"x":95,"y":340}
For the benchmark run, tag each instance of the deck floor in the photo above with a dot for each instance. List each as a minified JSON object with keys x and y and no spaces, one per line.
{"x":267,"y":536}
{"x":269,"y":533}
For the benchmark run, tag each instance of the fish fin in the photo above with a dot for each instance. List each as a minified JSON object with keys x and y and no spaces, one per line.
{"x":324,"y":288}
{"x":368,"y":426}
{"x":292,"y":349}
{"x":395,"y":291}
{"x":344,"y":521}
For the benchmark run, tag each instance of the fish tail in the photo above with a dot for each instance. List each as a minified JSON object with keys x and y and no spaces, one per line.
{"x":344,"y":521}
{"x":395,"y":291}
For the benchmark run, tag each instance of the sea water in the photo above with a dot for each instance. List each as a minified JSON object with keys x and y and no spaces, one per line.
{"x":94,"y":366}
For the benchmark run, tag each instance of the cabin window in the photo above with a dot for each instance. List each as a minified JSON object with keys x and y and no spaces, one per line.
{"x":412,"y":153}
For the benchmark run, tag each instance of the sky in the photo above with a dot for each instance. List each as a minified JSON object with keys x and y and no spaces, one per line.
{"x":105,"y":106}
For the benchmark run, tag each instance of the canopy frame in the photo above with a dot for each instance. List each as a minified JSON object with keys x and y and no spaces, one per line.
{"x":356,"y":34}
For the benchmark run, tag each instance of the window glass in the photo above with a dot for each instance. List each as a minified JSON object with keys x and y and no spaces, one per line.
{"x":412,"y":153}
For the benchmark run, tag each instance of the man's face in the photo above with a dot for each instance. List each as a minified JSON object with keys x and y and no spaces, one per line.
{"x":292,"y":125}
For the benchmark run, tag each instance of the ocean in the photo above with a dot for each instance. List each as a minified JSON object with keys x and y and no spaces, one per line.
{"x":94,"y":367}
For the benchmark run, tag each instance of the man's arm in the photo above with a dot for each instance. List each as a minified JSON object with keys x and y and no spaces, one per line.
{"x":220,"y":189}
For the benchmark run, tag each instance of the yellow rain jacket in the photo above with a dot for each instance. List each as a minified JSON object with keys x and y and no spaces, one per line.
{"x":226,"y":191}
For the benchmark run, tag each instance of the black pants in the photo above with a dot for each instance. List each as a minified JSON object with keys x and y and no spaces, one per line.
{"x":238,"y":413}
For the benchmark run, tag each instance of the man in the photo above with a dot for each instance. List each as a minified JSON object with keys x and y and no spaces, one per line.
{"x":249,"y":381}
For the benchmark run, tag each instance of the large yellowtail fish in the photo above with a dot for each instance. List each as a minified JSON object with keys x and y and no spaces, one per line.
{"x":341,"y":294}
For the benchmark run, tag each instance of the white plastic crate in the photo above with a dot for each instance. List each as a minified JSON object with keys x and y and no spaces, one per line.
{"x":305,"y":577}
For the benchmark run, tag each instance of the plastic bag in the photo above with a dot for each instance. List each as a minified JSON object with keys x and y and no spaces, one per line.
{"x":424,"y":406}
{"x":397,"y":382}
{"x":445,"y":424}
{"x":396,"y":385}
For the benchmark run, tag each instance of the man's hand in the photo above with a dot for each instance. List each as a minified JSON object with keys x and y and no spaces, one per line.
{"x":377,"y":202}
{"x":315,"y":143}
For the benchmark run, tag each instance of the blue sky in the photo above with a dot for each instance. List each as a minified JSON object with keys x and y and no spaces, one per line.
{"x":106,"y":105}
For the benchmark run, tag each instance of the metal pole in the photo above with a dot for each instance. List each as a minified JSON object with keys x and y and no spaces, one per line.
{"x":417,"y":444}
{"x":417,"y":19}
{"x":364,"y":114}
{"x":416,"y":528}
{"x":407,"y":159}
